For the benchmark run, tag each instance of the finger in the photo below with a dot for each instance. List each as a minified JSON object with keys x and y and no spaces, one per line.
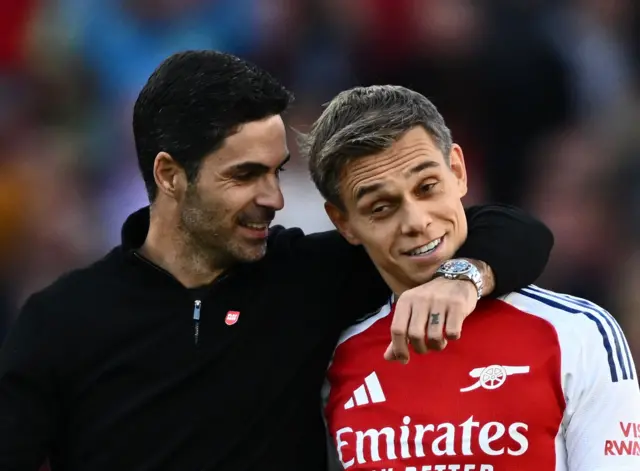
{"x":435,"y":327}
{"x":418,"y":325}
{"x":391,"y":356}
{"x":388,"y":353}
{"x":399,"y":326}
{"x":453,"y":325}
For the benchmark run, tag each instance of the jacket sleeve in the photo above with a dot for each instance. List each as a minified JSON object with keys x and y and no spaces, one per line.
{"x":514,"y":244}
{"x":28,"y":405}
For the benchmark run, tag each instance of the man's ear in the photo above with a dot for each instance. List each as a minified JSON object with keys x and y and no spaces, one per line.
{"x":169,"y":176}
{"x":458,"y":168}
{"x":340,"y":220}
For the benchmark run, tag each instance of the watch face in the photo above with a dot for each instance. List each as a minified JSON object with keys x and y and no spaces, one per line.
{"x":456,"y":267}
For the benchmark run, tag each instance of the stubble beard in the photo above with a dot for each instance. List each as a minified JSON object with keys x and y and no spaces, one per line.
{"x":206,"y":239}
{"x":201,"y":235}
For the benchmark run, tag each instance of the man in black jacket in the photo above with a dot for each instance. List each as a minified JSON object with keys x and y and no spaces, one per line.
{"x":201,"y":342}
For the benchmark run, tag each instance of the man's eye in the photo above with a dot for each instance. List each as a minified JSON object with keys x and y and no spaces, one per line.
{"x":427,"y":187}
{"x":244,"y":176}
{"x":279,"y":170}
{"x":379,"y":208}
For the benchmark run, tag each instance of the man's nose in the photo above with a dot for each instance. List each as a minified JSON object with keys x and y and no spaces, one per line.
{"x":416,"y":217}
{"x":270,"y":195}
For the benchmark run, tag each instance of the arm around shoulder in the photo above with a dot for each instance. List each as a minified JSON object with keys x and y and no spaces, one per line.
{"x":28,"y":404}
{"x":513,"y":243}
{"x":321,"y":249}
{"x":328,"y":262}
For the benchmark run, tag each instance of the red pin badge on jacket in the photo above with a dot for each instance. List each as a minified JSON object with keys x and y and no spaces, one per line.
{"x":232,"y":317}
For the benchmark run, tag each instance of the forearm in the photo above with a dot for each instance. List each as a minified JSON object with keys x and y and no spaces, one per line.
{"x":488,"y":278}
{"x":512,"y":243}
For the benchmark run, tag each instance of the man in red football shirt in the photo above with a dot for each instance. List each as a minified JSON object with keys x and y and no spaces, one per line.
{"x":539,"y":382}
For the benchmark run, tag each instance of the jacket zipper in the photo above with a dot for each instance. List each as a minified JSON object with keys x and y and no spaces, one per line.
{"x":197,"y":304}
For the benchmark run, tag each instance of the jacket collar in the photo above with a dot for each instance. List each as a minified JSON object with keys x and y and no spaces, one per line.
{"x":135,"y":229}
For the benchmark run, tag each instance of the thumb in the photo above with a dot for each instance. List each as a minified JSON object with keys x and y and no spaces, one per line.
{"x":388,"y":354}
{"x":391,"y":356}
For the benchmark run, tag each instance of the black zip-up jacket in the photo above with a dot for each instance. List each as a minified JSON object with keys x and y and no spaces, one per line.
{"x":101,"y":371}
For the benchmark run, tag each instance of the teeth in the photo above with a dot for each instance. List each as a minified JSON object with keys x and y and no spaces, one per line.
{"x":430,"y":247}
{"x":256,"y":226}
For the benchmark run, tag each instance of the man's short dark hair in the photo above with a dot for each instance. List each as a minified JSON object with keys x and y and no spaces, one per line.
{"x":365,"y":121}
{"x":193,"y":101}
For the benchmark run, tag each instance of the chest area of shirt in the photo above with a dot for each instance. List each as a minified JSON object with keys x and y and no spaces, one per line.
{"x":499,"y":354}
{"x":494,"y":393}
{"x":453,"y":387}
{"x":236,"y":341}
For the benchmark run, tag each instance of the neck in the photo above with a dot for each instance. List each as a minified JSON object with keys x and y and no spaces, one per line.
{"x":173,"y":250}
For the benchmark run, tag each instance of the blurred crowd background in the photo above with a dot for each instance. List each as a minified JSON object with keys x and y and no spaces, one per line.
{"x":543,"y":95}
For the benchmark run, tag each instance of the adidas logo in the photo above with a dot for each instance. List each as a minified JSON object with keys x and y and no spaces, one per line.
{"x":369,"y":392}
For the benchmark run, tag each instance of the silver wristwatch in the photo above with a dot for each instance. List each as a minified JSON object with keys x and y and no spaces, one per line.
{"x":461,"y":269}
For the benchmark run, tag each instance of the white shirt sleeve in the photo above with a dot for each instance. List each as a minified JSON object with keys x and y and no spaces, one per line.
{"x":601,"y":425}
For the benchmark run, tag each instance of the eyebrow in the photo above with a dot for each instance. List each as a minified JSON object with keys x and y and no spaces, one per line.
{"x":255,"y":166}
{"x":368,"y":189}
{"x":422,"y":166}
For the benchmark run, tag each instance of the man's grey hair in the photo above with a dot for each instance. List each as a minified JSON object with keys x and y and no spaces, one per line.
{"x":365,"y":121}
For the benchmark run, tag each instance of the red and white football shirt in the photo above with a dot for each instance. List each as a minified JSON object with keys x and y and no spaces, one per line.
{"x":538,"y":382}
